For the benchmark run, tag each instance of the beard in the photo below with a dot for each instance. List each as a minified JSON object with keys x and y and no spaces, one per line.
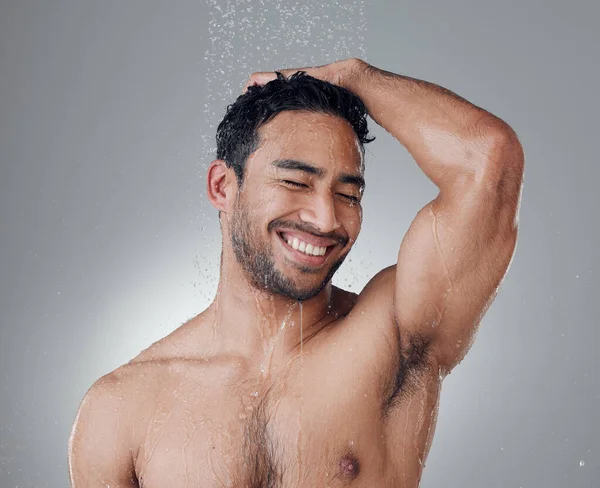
{"x":255,"y":256}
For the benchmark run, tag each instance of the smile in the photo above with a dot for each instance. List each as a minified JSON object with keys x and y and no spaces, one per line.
{"x":303,"y":251}
{"x":302,"y":246}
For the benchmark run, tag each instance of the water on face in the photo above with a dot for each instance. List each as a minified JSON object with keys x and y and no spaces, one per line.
{"x":246,"y":36}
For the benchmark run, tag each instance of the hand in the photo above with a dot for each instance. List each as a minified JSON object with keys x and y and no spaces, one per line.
{"x":338,"y":73}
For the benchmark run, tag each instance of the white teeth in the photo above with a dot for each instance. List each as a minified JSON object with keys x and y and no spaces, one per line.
{"x":306,"y":248}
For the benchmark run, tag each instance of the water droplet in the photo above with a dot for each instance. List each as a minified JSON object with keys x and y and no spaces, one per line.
{"x":581,"y":463}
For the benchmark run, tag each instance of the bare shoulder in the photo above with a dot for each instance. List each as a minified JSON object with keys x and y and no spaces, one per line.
{"x":111,"y":396}
{"x":114,"y":411}
{"x":372,"y":320}
{"x":126,"y":390}
{"x":366,"y":315}
{"x":102,"y":442}
{"x":108,"y":395}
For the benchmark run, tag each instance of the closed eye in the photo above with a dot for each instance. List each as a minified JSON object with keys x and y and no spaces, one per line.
{"x":294,"y":183}
{"x":351,"y":198}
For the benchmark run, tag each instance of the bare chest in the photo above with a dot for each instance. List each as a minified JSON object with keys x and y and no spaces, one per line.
{"x":308,"y":425}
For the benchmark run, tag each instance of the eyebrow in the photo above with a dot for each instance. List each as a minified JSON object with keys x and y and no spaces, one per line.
{"x":296,"y":165}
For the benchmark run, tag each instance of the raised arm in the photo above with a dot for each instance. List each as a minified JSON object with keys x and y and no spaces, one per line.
{"x":99,"y":447}
{"x":458,"y":248}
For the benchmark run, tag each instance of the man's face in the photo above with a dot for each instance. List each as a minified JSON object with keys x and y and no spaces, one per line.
{"x":298,"y":212}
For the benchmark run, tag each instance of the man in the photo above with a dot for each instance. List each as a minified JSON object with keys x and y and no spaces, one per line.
{"x":286,"y":380}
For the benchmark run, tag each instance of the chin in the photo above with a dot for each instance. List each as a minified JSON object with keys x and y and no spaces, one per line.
{"x":300,"y":286}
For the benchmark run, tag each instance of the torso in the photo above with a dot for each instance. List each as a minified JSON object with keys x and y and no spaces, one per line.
{"x":348,"y":412}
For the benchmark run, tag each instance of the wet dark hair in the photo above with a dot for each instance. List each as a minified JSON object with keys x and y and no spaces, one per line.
{"x":237,"y":134}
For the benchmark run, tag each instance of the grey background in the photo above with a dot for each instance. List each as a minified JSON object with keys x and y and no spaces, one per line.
{"x":107,"y":120}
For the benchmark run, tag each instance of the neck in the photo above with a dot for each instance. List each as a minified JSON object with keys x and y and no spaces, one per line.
{"x":260,"y":325}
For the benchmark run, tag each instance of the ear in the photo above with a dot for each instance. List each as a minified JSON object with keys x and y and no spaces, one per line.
{"x":221,"y":185}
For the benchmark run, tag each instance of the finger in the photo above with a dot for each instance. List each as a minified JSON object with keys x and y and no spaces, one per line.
{"x":259,"y":78}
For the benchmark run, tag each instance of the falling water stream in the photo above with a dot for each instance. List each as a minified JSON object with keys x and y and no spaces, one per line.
{"x":299,"y":440}
{"x":247,"y":36}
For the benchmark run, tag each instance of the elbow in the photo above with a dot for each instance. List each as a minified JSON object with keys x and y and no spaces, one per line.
{"x":503,"y":160}
{"x":501,"y":143}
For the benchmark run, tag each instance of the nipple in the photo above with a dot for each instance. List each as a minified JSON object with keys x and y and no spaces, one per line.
{"x":349,"y":467}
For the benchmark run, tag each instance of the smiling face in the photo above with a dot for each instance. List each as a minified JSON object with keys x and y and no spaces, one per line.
{"x":298,"y":212}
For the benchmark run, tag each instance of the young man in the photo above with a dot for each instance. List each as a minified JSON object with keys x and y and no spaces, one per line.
{"x":286,"y":380}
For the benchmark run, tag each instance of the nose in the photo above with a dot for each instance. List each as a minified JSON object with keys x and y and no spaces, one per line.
{"x":321,"y":213}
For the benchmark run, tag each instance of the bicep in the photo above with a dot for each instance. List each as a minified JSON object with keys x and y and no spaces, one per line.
{"x":453,"y":259}
{"x":99,"y":446}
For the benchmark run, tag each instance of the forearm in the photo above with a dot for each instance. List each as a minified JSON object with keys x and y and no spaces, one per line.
{"x":446,"y":135}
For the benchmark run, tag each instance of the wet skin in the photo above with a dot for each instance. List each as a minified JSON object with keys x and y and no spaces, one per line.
{"x":332,"y":416}
{"x":261,"y":390}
